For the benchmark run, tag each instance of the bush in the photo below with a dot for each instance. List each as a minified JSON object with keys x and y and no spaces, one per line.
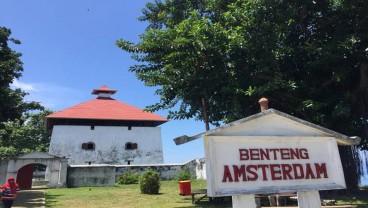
{"x":149,"y":182}
{"x":184,"y":174}
{"x":129,"y":177}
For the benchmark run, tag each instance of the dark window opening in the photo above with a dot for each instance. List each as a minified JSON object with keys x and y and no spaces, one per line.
{"x":128,"y":146}
{"x":131,"y":146}
{"x":88,"y":146}
{"x":84,"y":146}
{"x":92,"y":127}
{"x":135,"y":146}
{"x":129,"y":127}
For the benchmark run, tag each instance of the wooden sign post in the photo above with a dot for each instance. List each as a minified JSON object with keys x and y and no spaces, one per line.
{"x":272,"y":153}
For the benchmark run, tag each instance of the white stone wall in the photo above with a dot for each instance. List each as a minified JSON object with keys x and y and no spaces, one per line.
{"x":91,"y":175}
{"x":66,"y":141}
{"x":105,"y":175}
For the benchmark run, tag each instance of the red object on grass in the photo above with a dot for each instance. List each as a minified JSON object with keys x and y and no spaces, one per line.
{"x":184,"y":187}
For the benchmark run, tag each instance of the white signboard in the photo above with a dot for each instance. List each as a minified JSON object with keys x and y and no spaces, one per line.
{"x":238,"y":165}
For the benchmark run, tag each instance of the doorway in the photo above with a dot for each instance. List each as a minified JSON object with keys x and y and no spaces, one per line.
{"x":32,"y":176}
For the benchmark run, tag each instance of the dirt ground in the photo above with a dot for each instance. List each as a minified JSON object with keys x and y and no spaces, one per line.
{"x":30,"y":198}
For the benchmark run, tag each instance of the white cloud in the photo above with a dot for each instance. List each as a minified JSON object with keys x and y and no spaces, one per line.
{"x":24,"y":86}
{"x":49,"y":95}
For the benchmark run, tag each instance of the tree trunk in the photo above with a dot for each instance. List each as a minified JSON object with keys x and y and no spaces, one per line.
{"x":351,"y":165}
{"x":205,"y":115}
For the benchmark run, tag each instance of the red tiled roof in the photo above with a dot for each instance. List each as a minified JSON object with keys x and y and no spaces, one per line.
{"x":106,"y":109}
{"x":104,"y":89}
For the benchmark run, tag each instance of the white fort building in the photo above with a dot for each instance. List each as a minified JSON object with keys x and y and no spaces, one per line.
{"x":106,"y":131}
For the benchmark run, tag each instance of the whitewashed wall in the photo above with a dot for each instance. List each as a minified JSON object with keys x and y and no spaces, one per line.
{"x":66,"y":141}
{"x":105,"y":175}
{"x":167,"y":171}
{"x":91,"y":175}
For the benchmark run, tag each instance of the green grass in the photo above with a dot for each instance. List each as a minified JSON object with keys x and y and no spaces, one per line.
{"x":127,"y":196}
{"x":360,"y":199}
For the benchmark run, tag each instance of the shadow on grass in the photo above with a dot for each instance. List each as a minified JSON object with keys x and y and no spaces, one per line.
{"x":206,"y":203}
{"x":52,"y":199}
{"x":30,"y":198}
{"x":153,"y":194}
{"x":357,"y":197}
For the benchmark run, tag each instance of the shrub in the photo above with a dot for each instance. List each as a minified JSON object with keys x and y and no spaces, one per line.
{"x":149,"y":182}
{"x":129,"y":177}
{"x":184,"y":174}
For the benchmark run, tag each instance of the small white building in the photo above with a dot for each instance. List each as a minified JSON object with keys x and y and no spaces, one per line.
{"x":106,"y":131}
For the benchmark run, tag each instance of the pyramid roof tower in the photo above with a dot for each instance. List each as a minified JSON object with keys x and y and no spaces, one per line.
{"x":104,"y":111}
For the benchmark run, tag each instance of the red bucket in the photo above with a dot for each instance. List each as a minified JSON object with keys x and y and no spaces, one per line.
{"x":184,"y":187}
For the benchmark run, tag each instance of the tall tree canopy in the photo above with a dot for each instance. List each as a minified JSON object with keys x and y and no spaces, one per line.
{"x":19,"y":133}
{"x":309,"y":58}
{"x":12,"y":104}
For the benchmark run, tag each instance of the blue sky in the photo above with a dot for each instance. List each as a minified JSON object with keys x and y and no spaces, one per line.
{"x":69,"y":49}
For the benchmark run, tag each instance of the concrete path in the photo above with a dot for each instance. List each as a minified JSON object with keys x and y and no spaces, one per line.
{"x":30,"y":198}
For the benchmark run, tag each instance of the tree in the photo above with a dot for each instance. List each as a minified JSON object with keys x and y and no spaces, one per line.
{"x":309,"y":58}
{"x":12,"y":104}
{"x":24,"y":135}
{"x":16,"y":135}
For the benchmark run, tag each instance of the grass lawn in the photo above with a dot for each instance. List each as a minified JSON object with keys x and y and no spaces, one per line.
{"x":129,"y":196}
{"x":360,"y":199}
